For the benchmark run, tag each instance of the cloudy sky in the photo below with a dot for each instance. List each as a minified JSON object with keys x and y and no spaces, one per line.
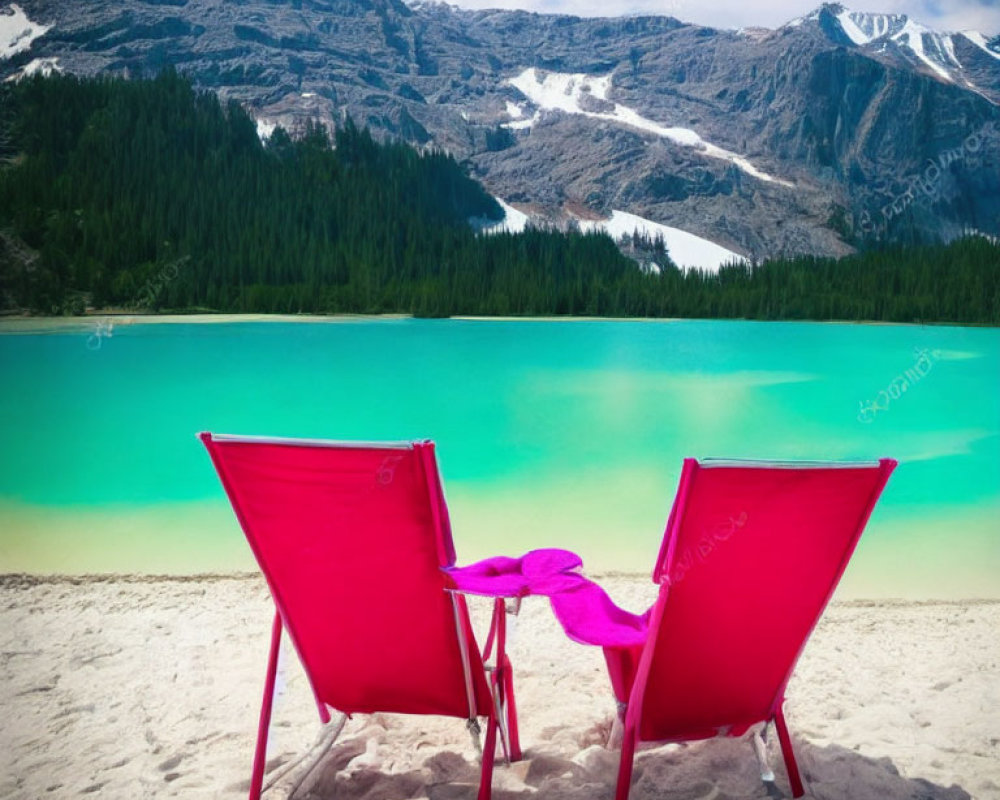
{"x":944,"y":15}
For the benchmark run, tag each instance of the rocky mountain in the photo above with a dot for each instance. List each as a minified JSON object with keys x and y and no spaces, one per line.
{"x":967,"y":58}
{"x":836,"y":127}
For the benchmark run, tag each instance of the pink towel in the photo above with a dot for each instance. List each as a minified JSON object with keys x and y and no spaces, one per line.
{"x":582,"y":607}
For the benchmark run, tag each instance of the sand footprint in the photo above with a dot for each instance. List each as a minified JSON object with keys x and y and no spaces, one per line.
{"x":170,"y":767}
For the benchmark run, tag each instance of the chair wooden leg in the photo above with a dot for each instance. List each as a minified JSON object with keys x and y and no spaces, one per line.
{"x":794,"y":779}
{"x":625,"y":765}
{"x":260,"y":754}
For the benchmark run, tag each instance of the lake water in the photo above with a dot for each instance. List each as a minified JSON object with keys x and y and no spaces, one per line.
{"x":549,"y":433}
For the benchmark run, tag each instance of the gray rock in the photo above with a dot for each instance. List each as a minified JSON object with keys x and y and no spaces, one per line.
{"x":871,"y":138}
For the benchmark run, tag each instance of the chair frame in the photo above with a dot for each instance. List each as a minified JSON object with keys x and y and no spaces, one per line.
{"x":661,"y":575}
{"x":501,"y":721}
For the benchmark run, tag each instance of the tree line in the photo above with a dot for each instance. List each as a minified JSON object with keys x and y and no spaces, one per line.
{"x":150,"y":195}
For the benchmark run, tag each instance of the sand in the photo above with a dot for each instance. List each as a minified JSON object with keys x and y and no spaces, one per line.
{"x":108,"y":321}
{"x":150,"y":688}
{"x":93,"y":319}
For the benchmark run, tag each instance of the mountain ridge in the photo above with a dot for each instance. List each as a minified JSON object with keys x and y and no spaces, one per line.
{"x":845,"y":129}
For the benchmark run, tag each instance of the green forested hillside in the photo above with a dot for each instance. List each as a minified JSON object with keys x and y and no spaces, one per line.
{"x":149,"y":195}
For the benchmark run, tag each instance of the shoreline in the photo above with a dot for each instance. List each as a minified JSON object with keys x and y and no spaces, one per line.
{"x":27,"y":323}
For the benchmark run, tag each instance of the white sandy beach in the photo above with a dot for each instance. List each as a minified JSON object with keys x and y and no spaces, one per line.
{"x":17,"y":323}
{"x":117,"y":318}
{"x":140,"y":687}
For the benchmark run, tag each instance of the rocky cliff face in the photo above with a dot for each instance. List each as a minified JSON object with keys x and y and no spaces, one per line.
{"x":804,"y":139}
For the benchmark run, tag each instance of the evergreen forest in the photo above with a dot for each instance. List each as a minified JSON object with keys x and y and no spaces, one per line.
{"x":147,"y":195}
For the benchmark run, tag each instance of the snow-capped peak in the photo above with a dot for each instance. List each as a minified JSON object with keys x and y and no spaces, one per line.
{"x":862,"y":28}
{"x":897,"y":33}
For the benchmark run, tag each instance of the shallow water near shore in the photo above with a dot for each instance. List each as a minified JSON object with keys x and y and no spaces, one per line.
{"x":549,"y":433}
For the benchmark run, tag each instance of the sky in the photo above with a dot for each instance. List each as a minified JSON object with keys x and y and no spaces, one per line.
{"x":942,"y":15}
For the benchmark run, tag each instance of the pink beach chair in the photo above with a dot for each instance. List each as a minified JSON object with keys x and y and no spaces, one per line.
{"x":354,"y":541}
{"x":750,"y":558}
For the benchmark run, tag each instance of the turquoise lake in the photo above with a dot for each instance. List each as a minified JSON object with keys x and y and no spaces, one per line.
{"x":549,"y":433}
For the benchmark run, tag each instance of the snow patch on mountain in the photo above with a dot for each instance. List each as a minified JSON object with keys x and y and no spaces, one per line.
{"x":929,"y":47}
{"x":851,"y":28}
{"x":863,"y":28}
{"x":978,"y":233}
{"x":587,"y":95}
{"x":685,"y":249}
{"x":520,"y":122}
{"x":560,"y":91}
{"x":514,"y":221}
{"x":17,"y":32}
{"x":980,"y":41}
{"x":45,"y":66}
{"x":265,"y":128}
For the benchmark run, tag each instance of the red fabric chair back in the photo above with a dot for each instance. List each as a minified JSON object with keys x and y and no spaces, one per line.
{"x":751,"y":556}
{"x":351,"y":539}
